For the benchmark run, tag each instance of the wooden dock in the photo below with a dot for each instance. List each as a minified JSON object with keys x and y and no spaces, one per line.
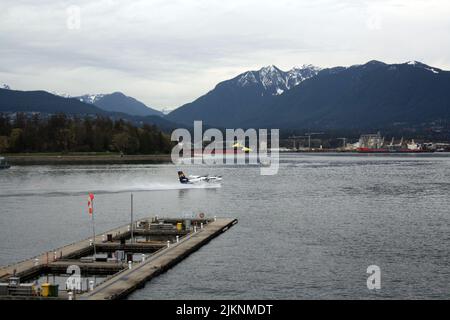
{"x":121,"y":280}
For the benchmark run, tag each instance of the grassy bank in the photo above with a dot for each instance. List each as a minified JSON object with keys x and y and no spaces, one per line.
{"x":23,"y":159}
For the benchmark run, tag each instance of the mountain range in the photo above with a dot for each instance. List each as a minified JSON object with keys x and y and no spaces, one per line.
{"x":374,"y":95}
{"x":371,"y":95}
{"x":118,"y":102}
{"x":43,"y":102}
{"x":238,"y":99}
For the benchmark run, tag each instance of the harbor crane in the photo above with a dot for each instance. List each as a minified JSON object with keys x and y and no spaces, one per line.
{"x":307,"y":135}
{"x":294,"y":146}
{"x":293,"y":140}
{"x":344,"y":142}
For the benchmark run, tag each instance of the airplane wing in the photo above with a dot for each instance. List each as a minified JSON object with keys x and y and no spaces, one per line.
{"x":207,"y":178}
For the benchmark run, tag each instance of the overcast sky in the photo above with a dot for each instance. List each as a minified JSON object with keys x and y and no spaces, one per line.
{"x":167,"y":53}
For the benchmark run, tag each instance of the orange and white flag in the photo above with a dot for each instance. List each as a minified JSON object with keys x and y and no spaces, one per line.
{"x":90,"y":204}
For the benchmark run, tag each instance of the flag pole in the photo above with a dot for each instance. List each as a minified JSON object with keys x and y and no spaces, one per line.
{"x":132,"y":226}
{"x":93,"y":230}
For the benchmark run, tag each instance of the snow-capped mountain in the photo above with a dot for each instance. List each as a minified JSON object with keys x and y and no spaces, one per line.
{"x":370,"y":95}
{"x":392,"y":67}
{"x":61,"y":94}
{"x":276,"y":81}
{"x":421,"y":65}
{"x":115,"y":102}
{"x":297,"y":75}
{"x":118,"y":102}
{"x":166,"y":111}
{"x":87,"y":98}
{"x":242,"y":97}
{"x":91,"y":98}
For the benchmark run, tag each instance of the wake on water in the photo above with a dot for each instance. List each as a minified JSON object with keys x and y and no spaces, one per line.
{"x":141,"y":187}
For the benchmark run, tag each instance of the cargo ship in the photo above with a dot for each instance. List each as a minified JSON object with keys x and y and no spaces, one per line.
{"x":375,"y":143}
{"x":225,"y":148}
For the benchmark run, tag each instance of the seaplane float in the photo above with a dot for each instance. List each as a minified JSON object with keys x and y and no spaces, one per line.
{"x":198,"y":179}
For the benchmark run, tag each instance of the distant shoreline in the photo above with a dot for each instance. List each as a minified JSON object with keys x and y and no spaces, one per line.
{"x":82,"y":159}
{"x":29,"y":159}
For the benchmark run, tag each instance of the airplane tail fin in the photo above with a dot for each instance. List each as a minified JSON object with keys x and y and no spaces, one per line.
{"x":182,"y":177}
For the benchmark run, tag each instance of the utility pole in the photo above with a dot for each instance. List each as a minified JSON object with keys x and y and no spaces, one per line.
{"x":132,"y":224}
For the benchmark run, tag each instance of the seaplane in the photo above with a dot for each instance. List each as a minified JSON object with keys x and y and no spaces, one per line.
{"x":242,"y":147}
{"x":198,"y":179}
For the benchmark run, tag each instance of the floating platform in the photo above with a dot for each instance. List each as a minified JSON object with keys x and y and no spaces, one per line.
{"x":142,"y":258}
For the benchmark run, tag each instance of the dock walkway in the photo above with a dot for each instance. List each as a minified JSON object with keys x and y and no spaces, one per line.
{"x":157,"y":257}
{"x":25,"y":266}
{"x":130,"y":279}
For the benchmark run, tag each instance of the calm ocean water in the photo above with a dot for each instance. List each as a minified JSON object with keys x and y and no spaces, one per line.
{"x":308,"y":232}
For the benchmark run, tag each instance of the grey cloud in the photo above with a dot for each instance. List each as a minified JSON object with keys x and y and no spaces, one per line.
{"x":167,"y":53}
